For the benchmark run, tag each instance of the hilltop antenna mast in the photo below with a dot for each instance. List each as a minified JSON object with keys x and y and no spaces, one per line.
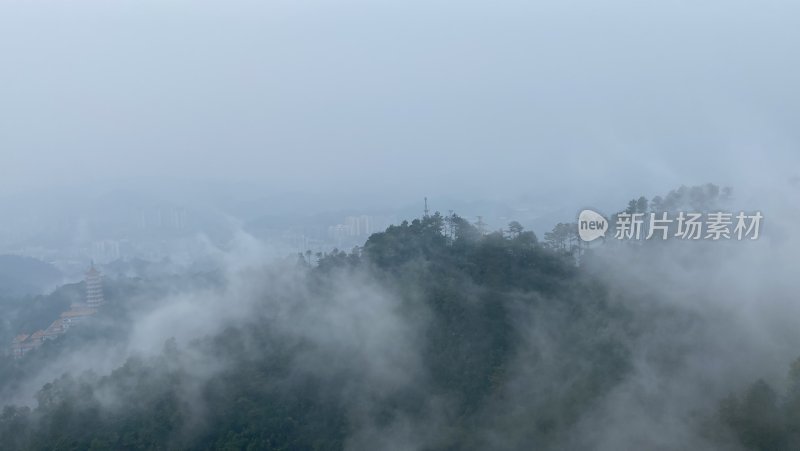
{"x":426,"y":208}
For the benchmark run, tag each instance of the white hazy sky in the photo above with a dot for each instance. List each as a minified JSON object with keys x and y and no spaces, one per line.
{"x":469,"y":97}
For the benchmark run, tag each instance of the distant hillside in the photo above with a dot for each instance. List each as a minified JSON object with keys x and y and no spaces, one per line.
{"x":438,"y":311}
{"x":25,"y":275}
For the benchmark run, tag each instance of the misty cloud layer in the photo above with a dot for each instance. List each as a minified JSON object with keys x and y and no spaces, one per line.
{"x":218,"y":139}
{"x":371,"y":99}
{"x":707,"y":319}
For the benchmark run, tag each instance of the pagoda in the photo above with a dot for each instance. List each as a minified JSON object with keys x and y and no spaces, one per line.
{"x":94,"y":288}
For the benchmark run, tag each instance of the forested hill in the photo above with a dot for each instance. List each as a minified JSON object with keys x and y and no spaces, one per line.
{"x":434,"y":335}
{"x":449,"y":362}
{"x":26,"y":276}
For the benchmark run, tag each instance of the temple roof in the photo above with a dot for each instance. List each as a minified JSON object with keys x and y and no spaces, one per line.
{"x":78,"y":313}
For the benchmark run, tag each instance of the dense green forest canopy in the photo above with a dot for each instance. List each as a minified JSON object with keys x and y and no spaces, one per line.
{"x":463,"y":291}
{"x":434,"y":335}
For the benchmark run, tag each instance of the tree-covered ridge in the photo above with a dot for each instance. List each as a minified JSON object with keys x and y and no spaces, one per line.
{"x":761,"y":418}
{"x":694,"y":199}
{"x":486,"y":312}
{"x":434,"y":335}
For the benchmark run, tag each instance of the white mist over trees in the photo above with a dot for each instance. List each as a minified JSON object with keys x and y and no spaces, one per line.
{"x":435,"y":336}
{"x":246,"y":174}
